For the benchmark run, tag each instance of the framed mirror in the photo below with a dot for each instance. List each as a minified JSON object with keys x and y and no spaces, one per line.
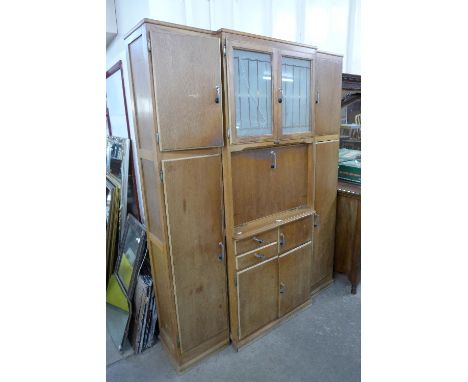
{"x":118,"y":125}
{"x":131,"y":253}
{"x":118,"y":313}
{"x":117,"y":160}
{"x":112,"y":222}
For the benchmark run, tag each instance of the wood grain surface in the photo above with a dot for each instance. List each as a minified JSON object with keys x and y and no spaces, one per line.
{"x":187,"y":70}
{"x":195,"y":231}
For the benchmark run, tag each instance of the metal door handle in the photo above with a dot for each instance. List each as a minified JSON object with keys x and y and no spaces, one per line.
{"x":260,"y":256}
{"x":317,"y":100}
{"x":280,"y":96}
{"x":273,"y":159}
{"x":218,"y":93}
{"x":316,"y":220}
{"x":282,"y":288}
{"x":221,"y":255}
{"x":282,"y":240}
{"x":257,"y":240}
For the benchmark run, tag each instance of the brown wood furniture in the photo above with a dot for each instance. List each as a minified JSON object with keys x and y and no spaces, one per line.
{"x":237,"y":146}
{"x":282,"y":118}
{"x":175,"y":73}
{"x":348,"y":232}
{"x":326,"y":152}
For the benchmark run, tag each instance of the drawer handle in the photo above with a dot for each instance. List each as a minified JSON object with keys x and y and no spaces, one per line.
{"x":260,"y":256}
{"x":257,"y":240}
{"x":273,"y":159}
{"x":282,"y":288}
{"x":218,"y":93}
{"x":221,"y":255}
{"x":316,"y":220}
{"x":282,"y":240}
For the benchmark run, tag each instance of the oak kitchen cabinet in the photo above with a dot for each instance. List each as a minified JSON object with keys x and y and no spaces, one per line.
{"x":271,"y":273}
{"x":235,"y":141}
{"x":327,"y":123}
{"x":175,"y":75}
{"x":270,"y":164}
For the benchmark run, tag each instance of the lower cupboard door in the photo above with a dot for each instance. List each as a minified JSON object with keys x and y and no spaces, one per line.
{"x":258,"y":297}
{"x":192,"y":190}
{"x":294,"y":278}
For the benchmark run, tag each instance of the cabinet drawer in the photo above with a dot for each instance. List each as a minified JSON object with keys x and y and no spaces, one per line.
{"x":256,"y":257}
{"x":256,"y":241}
{"x":295,"y":234}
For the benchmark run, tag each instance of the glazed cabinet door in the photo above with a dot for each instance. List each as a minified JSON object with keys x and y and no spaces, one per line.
{"x":257,"y":296}
{"x":187,"y":81}
{"x":192,"y":188}
{"x":296,"y":94}
{"x":267,"y":181}
{"x":249,"y":71}
{"x":326,"y":181}
{"x":294,"y":278}
{"x":328,"y":98}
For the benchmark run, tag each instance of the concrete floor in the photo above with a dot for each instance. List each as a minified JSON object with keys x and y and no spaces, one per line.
{"x":321,"y":343}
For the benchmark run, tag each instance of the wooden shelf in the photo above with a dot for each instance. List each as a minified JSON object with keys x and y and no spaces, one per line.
{"x":270,"y":222}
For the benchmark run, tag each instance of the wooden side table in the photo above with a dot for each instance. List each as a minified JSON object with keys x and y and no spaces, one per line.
{"x":348,"y":232}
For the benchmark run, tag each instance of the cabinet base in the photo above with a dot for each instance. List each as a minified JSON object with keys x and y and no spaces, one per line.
{"x":322,"y":284}
{"x":192,"y":357}
{"x":261,"y":332}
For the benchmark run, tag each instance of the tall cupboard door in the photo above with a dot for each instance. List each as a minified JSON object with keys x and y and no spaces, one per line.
{"x":257,"y":296}
{"x":326,"y":181}
{"x":187,"y":77}
{"x":294,"y":278}
{"x":328,"y":89}
{"x":250,"y":70}
{"x":192,"y":188}
{"x":296,"y":94}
